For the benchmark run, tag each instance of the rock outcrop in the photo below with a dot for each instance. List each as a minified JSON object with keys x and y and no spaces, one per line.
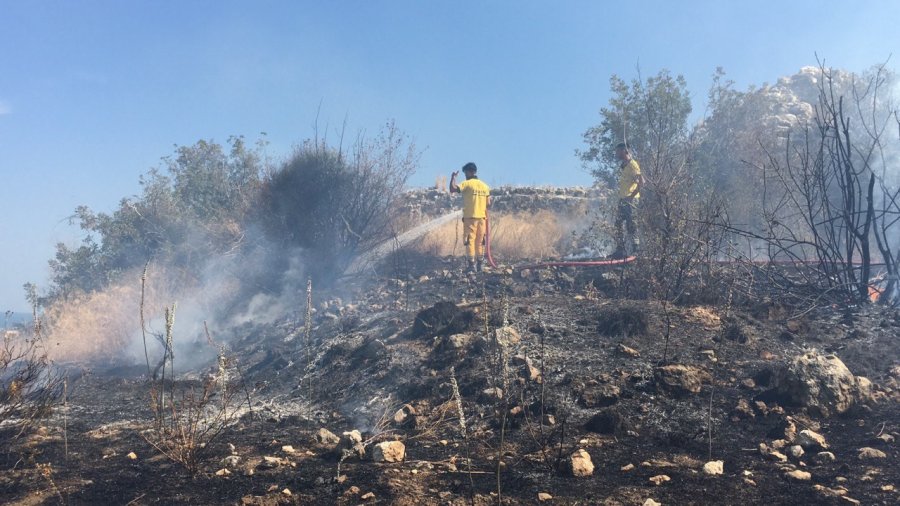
{"x":581,"y":463}
{"x":389,"y":451}
{"x":680,"y":379}
{"x":821,"y":383}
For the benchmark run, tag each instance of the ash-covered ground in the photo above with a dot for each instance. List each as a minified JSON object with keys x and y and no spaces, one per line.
{"x":570,"y":393}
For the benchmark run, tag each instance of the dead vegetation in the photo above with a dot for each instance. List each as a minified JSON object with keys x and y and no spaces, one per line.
{"x":30,"y":387}
{"x":514,"y":236}
{"x":695,"y":374}
{"x":501,"y":398}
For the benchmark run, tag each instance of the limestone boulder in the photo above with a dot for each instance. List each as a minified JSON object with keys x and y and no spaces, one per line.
{"x":714,"y":467}
{"x":507,"y":335}
{"x":821,"y":383}
{"x":680,"y":379}
{"x":811,"y":440}
{"x":326,"y":437}
{"x":389,"y":451}
{"x":581,"y":463}
{"x":351,"y":445}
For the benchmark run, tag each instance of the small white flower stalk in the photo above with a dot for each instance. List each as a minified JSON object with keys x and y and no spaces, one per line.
{"x":504,"y":364}
{"x":307,"y":327}
{"x":307,"y":335}
{"x":505,"y":310}
{"x":223,"y":366}
{"x":457,"y":398}
{"x":222,"y":377}
{"x":170,"y":346}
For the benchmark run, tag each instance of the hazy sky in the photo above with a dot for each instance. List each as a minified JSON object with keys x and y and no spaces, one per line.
{"x":93,"y":93}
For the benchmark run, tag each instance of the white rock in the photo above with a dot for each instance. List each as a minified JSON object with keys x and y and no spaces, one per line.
{"x":353,"y":436}
{"x":871,"y":453}
{"x":231,"y":461}
{"x":325,"y":436}
{"x":830,"y":492}
{"x":777,"y":456}
{"x":492,"y":393}
{"x":885,"y":438}
{"x":403,"y":414}
{"x":795,"y":451}
{"x":389,"y":451}
{"x":714,"y":467}
{"x":581,"y":463}
{"x":799,"y":475}
{"x":351,"y":445}
{"x":824,"y":457}
{"x":680,"y":379}
{"x":272,"y":462}
{"x":659,"y":479}
{"x":631,"y":352}
{"x":822,"y":383}
{"x":507,"y":335}
{"x":459,"y":341}
{"x":811,"y":440}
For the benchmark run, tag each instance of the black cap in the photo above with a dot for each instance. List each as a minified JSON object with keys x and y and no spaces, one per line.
{"x":470,"y":167}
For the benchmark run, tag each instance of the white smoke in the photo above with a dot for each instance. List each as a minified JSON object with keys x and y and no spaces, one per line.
{"x":210,"y":308}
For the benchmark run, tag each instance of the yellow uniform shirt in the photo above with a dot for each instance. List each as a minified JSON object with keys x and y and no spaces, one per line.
{"x":475,"y":194}
{"x":629,"y":175}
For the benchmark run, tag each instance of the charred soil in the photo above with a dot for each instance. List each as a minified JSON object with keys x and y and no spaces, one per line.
{"x":546,"y":362}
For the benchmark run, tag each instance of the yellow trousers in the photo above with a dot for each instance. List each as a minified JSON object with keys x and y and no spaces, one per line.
{"x":473,"y":229}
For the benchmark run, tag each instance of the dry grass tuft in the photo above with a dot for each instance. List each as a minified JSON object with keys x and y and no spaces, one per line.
{"x":103,"y":326}
{"x":513,"y":236}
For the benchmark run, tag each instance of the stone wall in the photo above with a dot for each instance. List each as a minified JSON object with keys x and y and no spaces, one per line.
{"x":430,"y":203}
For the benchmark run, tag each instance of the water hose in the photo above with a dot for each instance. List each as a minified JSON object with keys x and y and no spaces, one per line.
{"x":582,"y":263}
{"x":628,"y":260}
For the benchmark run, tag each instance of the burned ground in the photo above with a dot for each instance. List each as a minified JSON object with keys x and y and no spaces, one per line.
{"x":547,"y":360}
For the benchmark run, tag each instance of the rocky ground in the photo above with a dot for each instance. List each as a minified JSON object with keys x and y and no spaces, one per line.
{"x":570,"y":393}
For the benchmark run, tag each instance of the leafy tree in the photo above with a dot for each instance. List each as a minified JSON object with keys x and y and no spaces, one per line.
{"x":650,"y":115}
{"x":77,"y":268}
{"x":195,"y":209}
{"x":212,"y":184}
{"x":675,"y":206}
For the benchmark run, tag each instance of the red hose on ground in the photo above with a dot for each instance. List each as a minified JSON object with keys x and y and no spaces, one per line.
{"x":626,"y":260}
{"x":487,"y":240}
{"x":584,"y":263}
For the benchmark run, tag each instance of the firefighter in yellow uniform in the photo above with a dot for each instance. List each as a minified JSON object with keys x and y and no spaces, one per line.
{"x":630,"y":182}
{"x":476,"y":199}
